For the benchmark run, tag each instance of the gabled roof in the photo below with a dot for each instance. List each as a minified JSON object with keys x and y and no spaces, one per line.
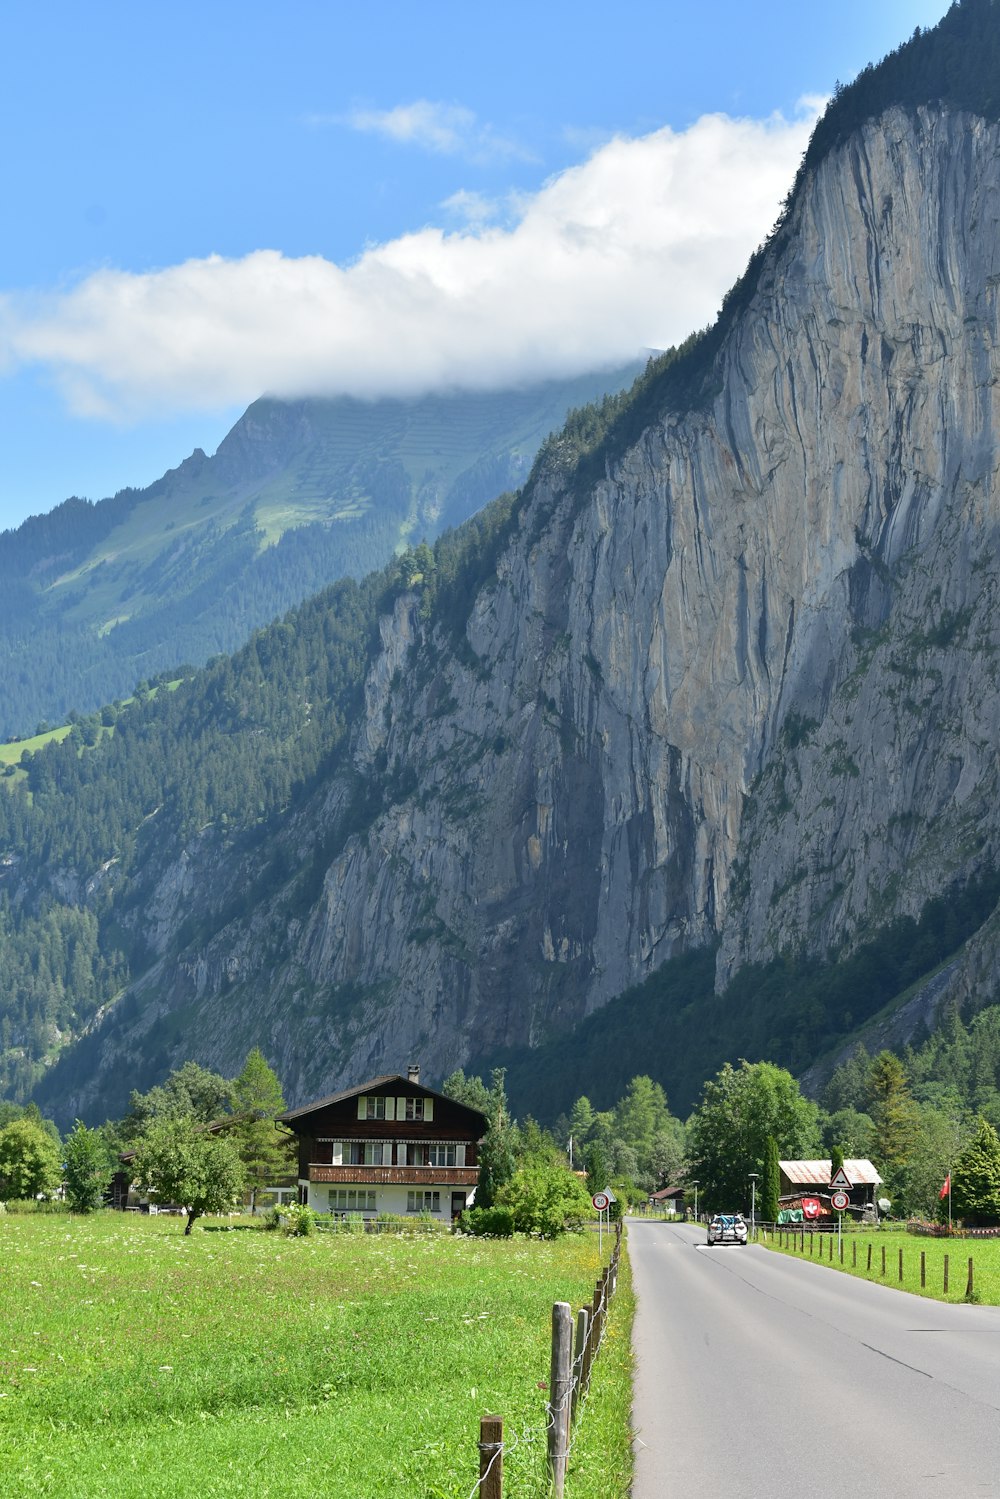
{"x":861,"y":1173}
{"x":375,"y":1084}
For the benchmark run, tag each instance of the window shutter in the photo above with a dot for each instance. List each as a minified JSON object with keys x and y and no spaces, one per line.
{"x":401,"y":1153}
{"x":400,"y":1108}
{"x":390,"y":1108}
{"x":362,"y":1107}
{"x":428,"y":1110}
{"x":459,"y":1155}
{"x":386,"y":1152}
{"x":337,"y":1153}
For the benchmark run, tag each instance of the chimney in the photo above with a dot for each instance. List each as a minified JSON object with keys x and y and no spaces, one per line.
{"x":413,"y":1072}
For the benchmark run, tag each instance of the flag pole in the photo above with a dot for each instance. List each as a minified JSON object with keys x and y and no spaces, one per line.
{"x":949,"y":1202}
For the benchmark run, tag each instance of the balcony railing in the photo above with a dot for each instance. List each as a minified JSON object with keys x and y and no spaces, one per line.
{"x":396,"y":1176}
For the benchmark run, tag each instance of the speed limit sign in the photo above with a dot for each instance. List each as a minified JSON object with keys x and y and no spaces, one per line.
{"x":840,"y":1201}
{"x":601,"y":1201}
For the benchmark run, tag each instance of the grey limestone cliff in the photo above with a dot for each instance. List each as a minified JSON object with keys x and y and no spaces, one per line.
{"x":743,"y":688}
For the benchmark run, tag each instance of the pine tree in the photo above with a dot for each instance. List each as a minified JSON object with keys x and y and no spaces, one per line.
{"x":258,"y":1100}
{"x":770,"y":1187}
{"x":975,"y":1179}
{"x":496,"y":1154}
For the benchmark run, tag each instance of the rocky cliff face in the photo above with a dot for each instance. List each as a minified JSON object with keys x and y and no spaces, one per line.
{"x":744,"y":688}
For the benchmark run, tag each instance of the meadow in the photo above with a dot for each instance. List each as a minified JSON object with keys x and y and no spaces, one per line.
{"x":985,"y":1254}
{"x":135,"y":1361}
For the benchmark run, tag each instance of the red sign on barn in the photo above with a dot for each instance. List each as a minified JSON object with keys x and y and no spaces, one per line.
{"x":811,"y":1207}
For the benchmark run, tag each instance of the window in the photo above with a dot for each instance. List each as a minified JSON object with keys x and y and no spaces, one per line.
{"x":414,"y":1108}
{"x":440,"y":1155}
{"x":374,"y":1108}
{"x":364,"y":1153}
{"x":352,"y":1200}
{"x":423,"y":1202}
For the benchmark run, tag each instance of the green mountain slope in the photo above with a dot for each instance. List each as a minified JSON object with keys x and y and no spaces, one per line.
{"x":94,"y":598}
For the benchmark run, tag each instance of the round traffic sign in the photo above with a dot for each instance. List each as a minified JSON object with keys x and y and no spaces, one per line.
{"x":840,"y":1201}
{"x":601,"y":1201}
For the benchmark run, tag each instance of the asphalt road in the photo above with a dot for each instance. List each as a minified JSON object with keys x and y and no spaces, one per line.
{"x":757,"y":1374}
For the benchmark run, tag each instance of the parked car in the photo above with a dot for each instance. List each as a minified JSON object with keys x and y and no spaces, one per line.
{"x":727,"y":1228}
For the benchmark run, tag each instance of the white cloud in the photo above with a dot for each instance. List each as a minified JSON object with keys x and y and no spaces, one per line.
{"x":446,"y":129}
{"x":629,"y":250}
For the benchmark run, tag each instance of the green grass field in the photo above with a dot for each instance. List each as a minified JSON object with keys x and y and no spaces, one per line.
{"x":984,"y":1253}
{"x":134,"y":1361}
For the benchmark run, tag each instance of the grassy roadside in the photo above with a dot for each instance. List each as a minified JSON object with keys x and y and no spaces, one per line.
{"x":136,"y":1362}
{"x":601,"y":1461}
{"x":984,"y":1253}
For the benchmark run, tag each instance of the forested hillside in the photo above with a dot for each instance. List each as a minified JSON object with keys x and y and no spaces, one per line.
{"x":96,"y":597}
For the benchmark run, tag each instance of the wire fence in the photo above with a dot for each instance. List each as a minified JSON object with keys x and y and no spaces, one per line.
{"x":574,"y":1351}
{"x":873,"y":1259}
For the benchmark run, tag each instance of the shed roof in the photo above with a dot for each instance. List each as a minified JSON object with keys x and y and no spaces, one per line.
{"x":860,"y":1173}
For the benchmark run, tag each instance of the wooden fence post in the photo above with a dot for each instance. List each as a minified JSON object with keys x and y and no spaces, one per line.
{"x":491,"y":1457}
{"x":582,"y":1320}
{"x":923,"y":1269}
{"x":968,"y":1285}
{"x":588,"y":1349}
{"x":854,"y":1254}
{"x":883,"y":1262}
{"x":901,"y":1267}
{"x":560,"y":1391}
{"x":946,"y":1275}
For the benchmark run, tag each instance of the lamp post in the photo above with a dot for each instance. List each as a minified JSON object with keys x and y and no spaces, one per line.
{"x":695,"y":1185}
{"x":753,"y":1200}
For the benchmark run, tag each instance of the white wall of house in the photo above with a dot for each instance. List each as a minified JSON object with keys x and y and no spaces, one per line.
{"x":325,"y":1199}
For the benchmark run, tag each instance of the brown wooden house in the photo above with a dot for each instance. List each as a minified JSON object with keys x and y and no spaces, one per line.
{"x":389,"y":1145}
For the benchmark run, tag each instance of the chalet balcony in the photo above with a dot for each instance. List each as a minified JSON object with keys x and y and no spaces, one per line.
{"x":396,"y":1176}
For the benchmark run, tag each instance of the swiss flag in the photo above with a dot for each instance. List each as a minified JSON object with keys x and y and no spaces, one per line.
{"x":946,"y":1188}
{"x":811,"y":1207}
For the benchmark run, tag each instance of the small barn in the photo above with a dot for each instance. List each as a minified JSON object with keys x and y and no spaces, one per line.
{"x":811,"y":1181}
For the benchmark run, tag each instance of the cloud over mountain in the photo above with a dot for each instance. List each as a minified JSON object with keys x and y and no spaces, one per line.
{"x":631,"y":249}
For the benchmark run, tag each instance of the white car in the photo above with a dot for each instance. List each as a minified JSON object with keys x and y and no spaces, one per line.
{"x":727,"y":1228}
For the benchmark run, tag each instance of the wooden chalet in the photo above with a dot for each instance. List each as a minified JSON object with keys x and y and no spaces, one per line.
{"x":389,"y":1145}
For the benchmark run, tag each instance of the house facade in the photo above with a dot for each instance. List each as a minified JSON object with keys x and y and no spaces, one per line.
{"x":389,"y":1145}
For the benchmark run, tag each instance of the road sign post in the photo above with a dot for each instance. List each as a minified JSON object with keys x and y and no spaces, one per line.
{"x":602,"y":1202}
{"x":839,"y":1201}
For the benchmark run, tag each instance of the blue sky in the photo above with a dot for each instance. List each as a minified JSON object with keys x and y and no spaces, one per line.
{"x":204,"y":203}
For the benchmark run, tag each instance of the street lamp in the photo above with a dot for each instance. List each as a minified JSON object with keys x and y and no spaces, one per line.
{"x":695,"y":1185}
{"x":753,"y":1200}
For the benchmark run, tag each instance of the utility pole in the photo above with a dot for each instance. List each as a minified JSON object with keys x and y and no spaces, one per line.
{"x":695,"y":1185}
{"x":753,"y":1201}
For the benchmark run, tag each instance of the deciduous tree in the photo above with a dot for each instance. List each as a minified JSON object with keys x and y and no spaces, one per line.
{"x":178,"y":1161}
{"x":88,"y":1168}
{"x":29,"y":1161}
{"x":740,"y":1107}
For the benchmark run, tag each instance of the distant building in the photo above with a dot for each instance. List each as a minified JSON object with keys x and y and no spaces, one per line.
{"x":389,"y":1145}
{"x":668,"y":1199}
{"x":809,"y":1181}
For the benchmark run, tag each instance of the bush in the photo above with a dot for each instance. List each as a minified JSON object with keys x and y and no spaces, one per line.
{"x":297,"y":1220}
{"x":545,"y":1199}
{"x":33,"y":1205}
{"x":495,"y":1223}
